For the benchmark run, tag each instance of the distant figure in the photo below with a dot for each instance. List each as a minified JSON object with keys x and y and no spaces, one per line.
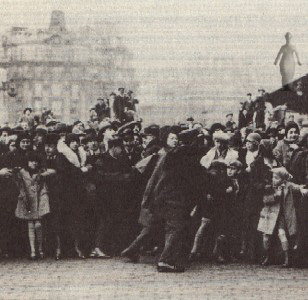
{"x":287,"y":62}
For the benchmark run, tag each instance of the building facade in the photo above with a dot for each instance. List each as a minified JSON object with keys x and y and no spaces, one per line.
{"x":65,"y":71}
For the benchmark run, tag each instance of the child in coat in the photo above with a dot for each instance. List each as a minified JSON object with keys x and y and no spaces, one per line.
{"x":33,"y":201}
{"x":236,"y":193}
{"x":278,"y":214}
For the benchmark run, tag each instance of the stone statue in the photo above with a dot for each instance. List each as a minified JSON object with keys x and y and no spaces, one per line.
{"x":287,"y":62}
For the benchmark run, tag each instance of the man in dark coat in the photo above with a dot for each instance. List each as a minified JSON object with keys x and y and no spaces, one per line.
{"x":171,"y":194}
{"x":120,"y":105}
{"x":102,"y":109}
{"x":52,"y":160}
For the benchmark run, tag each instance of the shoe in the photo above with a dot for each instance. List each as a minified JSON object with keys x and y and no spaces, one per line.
{"x":132,"y":256}
{"x":32,"y":257}
{"x":58,"y":255}
{"x":166,"y":268}
{"x":41,"y":255}
{"x":93,"y":254}
{"x":286,"y":263}
{"x":100,"y":254}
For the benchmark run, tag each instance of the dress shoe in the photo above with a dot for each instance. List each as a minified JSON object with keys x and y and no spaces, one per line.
{"x":166,"y":268}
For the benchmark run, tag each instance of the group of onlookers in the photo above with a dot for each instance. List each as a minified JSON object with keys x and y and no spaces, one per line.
{"x":188,"y":191}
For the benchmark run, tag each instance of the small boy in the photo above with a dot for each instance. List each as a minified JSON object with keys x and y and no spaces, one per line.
{"x":234,"y":207}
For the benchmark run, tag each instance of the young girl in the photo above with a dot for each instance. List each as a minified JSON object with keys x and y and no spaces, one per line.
{"x":278,"y":214}
{"x":33,"y":201}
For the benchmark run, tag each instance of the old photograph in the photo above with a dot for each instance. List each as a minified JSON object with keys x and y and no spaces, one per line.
{"x":153,"y":149}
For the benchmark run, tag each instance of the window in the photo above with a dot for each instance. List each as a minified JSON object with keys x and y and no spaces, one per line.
{"x":37,"y":105}
{"x":37,"y":89}
{"x":56,"y":89}
{"x":56,"y":107}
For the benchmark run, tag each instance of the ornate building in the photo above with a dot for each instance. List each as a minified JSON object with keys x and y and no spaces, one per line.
{"x":65,"y":71}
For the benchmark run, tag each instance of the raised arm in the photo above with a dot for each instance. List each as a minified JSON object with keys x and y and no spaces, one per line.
{"x":278,"y":56}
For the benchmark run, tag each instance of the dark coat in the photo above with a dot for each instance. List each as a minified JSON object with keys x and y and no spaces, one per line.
{"x":113,"y":183}
{"x":258,"y":177}
{"x":243,"y":120}
{"x":119,"y":105}
{"x":177,"y":182}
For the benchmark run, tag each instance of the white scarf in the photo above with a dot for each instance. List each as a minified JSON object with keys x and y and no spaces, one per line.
{"x":71,"y":155}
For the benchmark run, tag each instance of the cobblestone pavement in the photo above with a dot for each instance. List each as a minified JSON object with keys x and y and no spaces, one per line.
{"x":117,"y":279}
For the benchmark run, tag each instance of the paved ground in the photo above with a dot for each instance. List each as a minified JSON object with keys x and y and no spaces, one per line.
{"x":116,"y":279}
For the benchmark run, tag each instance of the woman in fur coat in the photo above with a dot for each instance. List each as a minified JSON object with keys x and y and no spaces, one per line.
{"x":72,"y":170}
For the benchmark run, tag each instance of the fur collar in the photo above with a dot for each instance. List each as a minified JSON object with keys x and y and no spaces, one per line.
{"x":71,"y":155}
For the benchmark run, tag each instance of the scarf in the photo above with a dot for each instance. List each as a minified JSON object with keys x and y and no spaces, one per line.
{"x":71,"y":156}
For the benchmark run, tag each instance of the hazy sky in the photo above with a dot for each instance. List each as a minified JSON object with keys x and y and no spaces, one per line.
{"x":197,"y":44}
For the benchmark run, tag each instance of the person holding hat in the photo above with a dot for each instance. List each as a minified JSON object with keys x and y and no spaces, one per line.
{"x":258,"y":175}
{"x":220,"y":151}
{"x":285,"y":147}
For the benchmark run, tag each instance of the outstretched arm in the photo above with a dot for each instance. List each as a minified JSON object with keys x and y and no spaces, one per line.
{"x":278,"y":56}
{"x":297,"y":56}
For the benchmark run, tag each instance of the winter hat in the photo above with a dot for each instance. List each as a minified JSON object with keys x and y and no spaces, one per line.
{"x":254,"y":138}
{"x":51,"y":139}
{"x":152,"y":130}
{"x":282,"y":173}
{"x":291,"y":125}
{"x":71,"y":137}
{"x":33,"y":156}
{"x":188,"y":136}
{"x":217,"y":127}
{"x":22,"y":136}
{"x":221,"y":136}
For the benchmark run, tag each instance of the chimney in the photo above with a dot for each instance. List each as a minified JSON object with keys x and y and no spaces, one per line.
{"x":57,"y":21}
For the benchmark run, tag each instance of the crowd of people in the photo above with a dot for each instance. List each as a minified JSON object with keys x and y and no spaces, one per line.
{"x":109,"y":187}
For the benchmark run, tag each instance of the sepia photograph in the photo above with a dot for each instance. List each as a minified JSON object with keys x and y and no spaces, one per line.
{"x":153,"y":149}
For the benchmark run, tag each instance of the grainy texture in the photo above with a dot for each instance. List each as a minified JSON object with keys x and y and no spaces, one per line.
{"x":116,"y":279}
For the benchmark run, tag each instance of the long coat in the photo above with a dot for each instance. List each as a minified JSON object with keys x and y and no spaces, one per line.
{"x":33,"y":200}
{"x":270,"y":213}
